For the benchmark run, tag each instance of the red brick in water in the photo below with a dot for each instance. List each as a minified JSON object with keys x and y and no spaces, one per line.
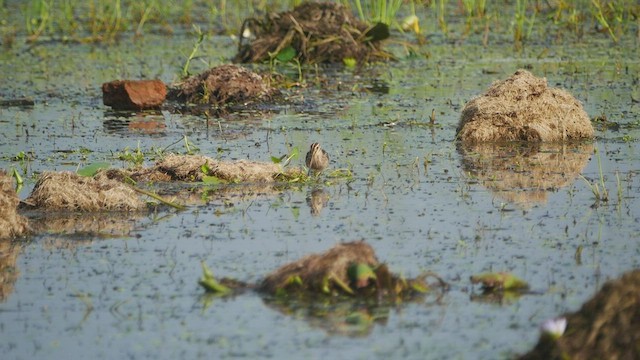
{"x":134,"y":94}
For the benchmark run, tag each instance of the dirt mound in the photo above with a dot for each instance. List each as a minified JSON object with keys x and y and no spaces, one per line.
{"x":316,"y":32}
{"x":606,"y":327}
{"x":222,"y":85}
{"x":524,"y":173}
{"x":523,"y":108}
{"x":11,"y":223}
{"x":69,"y":191}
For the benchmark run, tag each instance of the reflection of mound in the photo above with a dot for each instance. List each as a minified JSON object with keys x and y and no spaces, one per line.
{"x":91,"y":225}
{"x":606,"y":327}
{"x":11,"y":223}
{"x":524,"y":108}
{"x":345,"y":318}
{"x":525,"y":173}
{"x":9,"y":251}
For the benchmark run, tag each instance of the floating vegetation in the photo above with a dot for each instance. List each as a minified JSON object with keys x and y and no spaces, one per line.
{"x":312,"y":33}
{"x":500,"y":281}
{"x":346,"y":269}
{"x":523,"y":108}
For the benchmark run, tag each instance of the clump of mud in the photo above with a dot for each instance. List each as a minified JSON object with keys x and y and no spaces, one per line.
{"x":221,"y":85}
{"x":193,"y":168}
{"x":317,"y":32}
{"x":12,"y":224}
{"x":606,"y":327}
{"x":523,"y":108}
{"x":524,"y":173}
{"x":69,"y":191}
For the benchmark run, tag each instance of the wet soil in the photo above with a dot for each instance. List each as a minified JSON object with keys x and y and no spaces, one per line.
{"x":130,"y":289}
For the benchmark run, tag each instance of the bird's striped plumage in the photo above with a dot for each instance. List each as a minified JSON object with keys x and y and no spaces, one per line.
{"x":317,"y":159}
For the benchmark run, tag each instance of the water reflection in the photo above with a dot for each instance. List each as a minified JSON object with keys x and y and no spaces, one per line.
{"x":317,"y":200}
{"x":345,"y":318}
{"x":524,"y":174}
{"x":125,"y":122}
{"x":9,"y":251}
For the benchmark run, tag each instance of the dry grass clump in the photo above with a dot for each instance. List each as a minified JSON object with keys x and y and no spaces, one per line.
{"x":318,"y":32}
{"x":69,"y":191}
{"x":222,"y":85}
{"x":12,"y":224}
{"x":523,"y":108}
{"x":525,"y":173}
{"x":606,"y":327}
{"x":192,"y":168}
{"x":314,"y":270}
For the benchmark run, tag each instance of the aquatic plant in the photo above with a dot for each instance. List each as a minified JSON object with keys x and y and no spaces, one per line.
{"x":374,"y":11}
{"x":520,"y":18}
{"x":185,"y":69}
{"x":598,"y":188}
{"x":554,"y":327}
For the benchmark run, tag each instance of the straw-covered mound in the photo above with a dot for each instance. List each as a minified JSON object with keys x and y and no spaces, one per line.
{"x":345,"y":269}
{"x":12,"y":224}
{"x":194,"y":168}
{"x":70,"y":191}
{"x":523,"y":108}
{"x":524,"y":173}
{"x":221,"y":85}
{"x":606,"y":327}
{"x":317,"y":33}
{"x":314,"y":270}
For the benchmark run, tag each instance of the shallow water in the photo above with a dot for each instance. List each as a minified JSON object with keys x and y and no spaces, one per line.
{"x":413,"y":198}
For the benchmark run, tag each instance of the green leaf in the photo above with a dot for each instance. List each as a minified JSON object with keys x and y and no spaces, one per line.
{"x":295,"y":279}
{"x":17,"y":176}
{"x":278,"y":160}
{"x":287,"y":54}
{"x":350,"y":62}
{"x":92,"y":169}
{"x":209,"y":283}
{"x":360,"y":274}
{"x":341,"y":285}
{"x":499,"y":281}
{"x":212,"y":180}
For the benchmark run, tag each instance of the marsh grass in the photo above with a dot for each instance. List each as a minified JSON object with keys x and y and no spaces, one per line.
{"x":598,"y":187}
{"x":106,"y":20}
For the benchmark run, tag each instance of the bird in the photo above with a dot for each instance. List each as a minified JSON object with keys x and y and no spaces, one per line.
{"x":317,"y":159}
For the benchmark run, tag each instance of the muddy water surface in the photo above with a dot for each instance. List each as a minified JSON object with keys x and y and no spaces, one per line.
{"x":128,"y":287}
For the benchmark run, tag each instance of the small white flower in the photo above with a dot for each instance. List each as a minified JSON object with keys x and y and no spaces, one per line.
{"x":554,"y":327}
